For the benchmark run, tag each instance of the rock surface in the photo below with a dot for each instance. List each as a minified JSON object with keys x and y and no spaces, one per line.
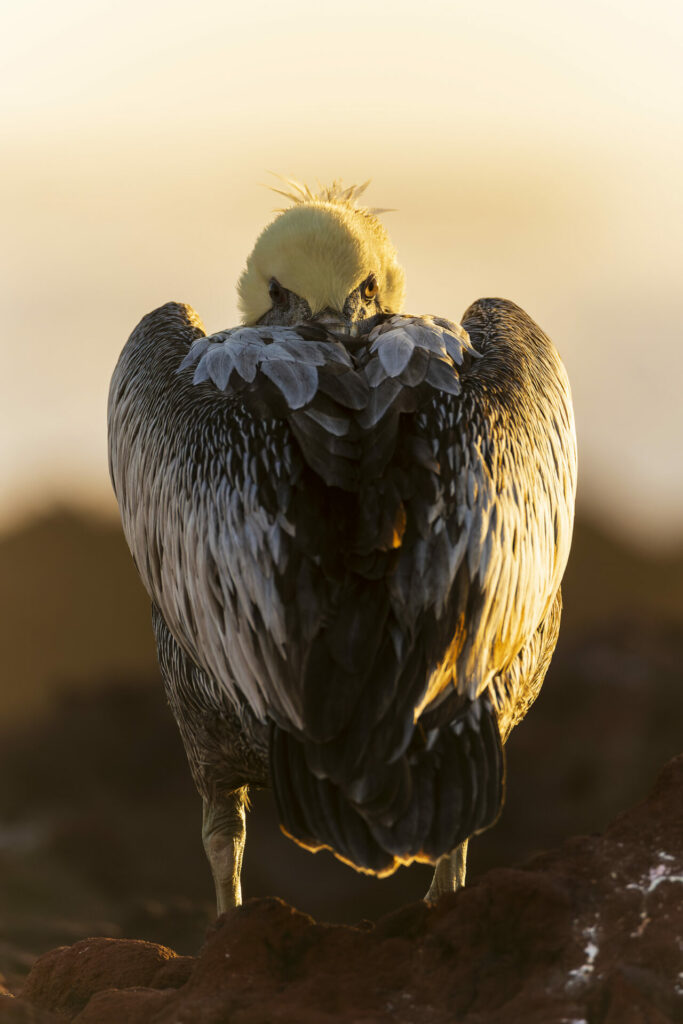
{"x":589,"y":932}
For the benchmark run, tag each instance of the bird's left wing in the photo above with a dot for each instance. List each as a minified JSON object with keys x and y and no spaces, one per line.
{"x":215,"y":492}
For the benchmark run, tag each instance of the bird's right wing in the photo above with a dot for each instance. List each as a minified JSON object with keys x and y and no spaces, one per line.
{"x":494,"y":506}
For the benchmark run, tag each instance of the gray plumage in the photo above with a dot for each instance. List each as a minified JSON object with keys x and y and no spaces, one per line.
{"x":354,"y":546}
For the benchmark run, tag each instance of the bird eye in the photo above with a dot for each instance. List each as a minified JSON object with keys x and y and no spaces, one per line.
{"x":278,"y":294}
{"x":369,"y":287}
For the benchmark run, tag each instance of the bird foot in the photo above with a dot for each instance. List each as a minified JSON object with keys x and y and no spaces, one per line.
{"x":449,"y":874}
{"x":223,"y":835}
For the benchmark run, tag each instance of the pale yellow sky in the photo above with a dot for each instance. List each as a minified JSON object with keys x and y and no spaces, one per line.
{"x":532,"y":151}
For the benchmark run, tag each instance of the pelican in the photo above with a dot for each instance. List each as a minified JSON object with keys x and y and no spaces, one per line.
{"x":352,"y":524}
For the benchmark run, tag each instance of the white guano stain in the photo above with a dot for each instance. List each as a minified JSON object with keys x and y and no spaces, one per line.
{"x":579,"y":976}
{"x":654,"y":878}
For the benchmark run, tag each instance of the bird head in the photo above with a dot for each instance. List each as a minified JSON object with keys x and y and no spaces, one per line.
{"x":325,"y":258}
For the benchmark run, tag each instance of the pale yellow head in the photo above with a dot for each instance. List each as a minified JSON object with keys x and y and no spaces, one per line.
{"x":321,"y":249}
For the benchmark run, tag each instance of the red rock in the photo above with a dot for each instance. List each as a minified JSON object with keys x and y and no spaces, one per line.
{"x":586,"y":932}
{"x":174,"y":972}
{"x":64,"y":979}
{"x":123,"y":1006}
{"x":626,"y":1003}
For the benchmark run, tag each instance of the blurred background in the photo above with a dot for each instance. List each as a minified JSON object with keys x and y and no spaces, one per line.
{"x":530,"y":151}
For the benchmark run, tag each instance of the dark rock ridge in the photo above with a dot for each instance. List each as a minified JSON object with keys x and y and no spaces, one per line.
{"x":590,"y":933}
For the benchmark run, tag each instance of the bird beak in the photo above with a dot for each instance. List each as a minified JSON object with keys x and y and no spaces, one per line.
{"x":338,"y":324}
{"x":335,"y":322}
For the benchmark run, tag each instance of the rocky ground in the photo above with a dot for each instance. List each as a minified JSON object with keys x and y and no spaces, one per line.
{"x":590,"y":932}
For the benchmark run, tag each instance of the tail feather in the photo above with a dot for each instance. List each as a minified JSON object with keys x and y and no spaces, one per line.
{"x":418,"y":808}
{"x":496,"y":766}
{"x":315,"y":813}
{"x":452,"y":803}
{"x":361,"y":848}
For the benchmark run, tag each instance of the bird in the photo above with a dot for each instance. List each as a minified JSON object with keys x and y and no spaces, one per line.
{"x":353,"y":524}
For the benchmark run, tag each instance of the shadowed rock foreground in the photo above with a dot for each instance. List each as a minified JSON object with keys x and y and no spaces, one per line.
{"x":590,"y":932}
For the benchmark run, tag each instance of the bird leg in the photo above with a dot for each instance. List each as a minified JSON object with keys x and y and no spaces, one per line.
{"x":449,"y":873}
{"x":223,"y":835}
